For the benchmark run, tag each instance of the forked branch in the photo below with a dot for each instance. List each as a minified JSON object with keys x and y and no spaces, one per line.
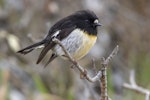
{"x":134,"y":87}
{"x":101,"y":74}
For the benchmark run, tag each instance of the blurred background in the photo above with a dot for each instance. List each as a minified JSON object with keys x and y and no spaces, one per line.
{"x":23,"y":22}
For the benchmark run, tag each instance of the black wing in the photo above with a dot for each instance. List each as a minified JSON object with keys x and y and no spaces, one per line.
{"x":62,"y":34}
{"x":65,"y":23}
{"x":65,"y":27}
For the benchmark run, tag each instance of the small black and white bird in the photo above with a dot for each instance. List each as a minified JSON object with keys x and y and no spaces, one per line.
{"x":77,"y":33}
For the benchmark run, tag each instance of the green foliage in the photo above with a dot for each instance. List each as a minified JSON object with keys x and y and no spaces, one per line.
{"x":110,"y":85}
{"x":1,"y":3}
{"x":131,"y":95}
{"x":39,"y":84}
{"x":143,"y":70}
{"x":70,"y":95}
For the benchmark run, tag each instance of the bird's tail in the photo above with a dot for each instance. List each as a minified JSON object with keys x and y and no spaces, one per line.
{"x":32,"y":47}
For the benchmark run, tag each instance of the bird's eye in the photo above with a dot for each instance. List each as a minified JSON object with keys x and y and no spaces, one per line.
{"x":96,"y":21}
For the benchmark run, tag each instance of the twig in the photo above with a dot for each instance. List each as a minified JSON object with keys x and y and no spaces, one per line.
{"x":103,"y":83}
{"x":114,"y":52}
{"x":134,"y":87}
{"x":101,"y":75}
{"x":93,"y":65}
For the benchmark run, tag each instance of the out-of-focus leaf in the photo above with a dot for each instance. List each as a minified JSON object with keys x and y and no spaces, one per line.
{"x":13,"y":42}
{"x":39,"y":84}
{"x":47,"y":97}
{"x":3,"y":34}
{"x":70,"y":95}
{"x":4,"y":85}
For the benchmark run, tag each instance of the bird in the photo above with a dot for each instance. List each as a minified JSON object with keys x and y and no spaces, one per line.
{"x":77,"y":33}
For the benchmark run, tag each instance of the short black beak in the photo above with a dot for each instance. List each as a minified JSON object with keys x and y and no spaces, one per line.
{"x":98,"y":24}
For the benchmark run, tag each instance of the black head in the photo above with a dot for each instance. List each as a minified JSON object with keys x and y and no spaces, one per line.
{"x":86,"y":20}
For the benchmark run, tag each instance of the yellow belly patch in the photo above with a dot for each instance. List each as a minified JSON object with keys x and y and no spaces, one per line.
{"x":88,"y":42}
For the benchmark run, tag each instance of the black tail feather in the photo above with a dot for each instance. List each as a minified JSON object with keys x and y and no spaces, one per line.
{"x":45,"y":51}
{"x":47,"y":47}
{"x":30,"y":48}
{"x":53,"y":56}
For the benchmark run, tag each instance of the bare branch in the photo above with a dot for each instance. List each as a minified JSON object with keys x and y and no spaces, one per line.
{"x":113,"y":53}
{"x":134,"y":87}
{"x":103,"y":83}
{"x":101,"y":74}
{"x":132,"y":78}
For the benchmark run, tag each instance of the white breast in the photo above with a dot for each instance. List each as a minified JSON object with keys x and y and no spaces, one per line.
{"x":71,"y":43}
{"x":78,"y":44}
